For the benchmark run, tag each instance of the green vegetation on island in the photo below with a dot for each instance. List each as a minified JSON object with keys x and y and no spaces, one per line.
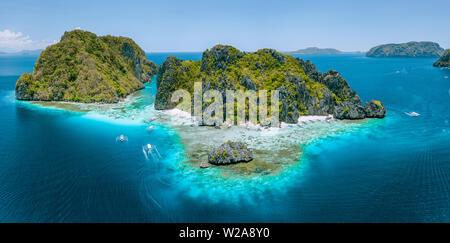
{"x":303,"y":90}
{"x":444,"y":61}
{"x":84,"y":67}
{"x":316,"y":51}
{"x":410,"y":49}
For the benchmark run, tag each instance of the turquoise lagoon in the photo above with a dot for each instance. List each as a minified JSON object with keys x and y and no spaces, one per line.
{"x":66,"y":166}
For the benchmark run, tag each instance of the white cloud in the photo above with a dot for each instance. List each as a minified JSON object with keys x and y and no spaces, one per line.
{"x":16,"y":41}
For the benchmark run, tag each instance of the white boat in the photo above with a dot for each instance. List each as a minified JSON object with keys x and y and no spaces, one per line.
{"x":152,"y":151}
{"x":412,"y":114}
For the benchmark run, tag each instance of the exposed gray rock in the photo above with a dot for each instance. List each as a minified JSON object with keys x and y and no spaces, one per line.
{"x":310,"y":70}
{"x":288,"y":110}
{"x":410,"y":49}
{"x":222,"y":68}
{"x":444,"y":61}
{"x":321,"y":107}
{"x":230,"y":153}
{"x":374,"y":109}
{"x":316,"y":51}
{"x":221,"y":55}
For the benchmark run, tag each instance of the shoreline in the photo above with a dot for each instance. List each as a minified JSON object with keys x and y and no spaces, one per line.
{"x":275,"y":148}
{"x":279,"y":156}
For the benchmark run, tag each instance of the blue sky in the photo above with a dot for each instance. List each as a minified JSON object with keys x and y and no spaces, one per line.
{"x":168,"y":25}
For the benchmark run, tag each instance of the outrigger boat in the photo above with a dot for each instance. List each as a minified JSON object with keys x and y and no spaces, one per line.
{"x":152,"y":151}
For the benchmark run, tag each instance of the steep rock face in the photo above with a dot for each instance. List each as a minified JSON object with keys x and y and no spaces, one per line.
{"x":444,"y":61}
{"x":219,"y":58}
{"x":410,"y":49}
{"x":303,"y":90}
{"x":230,"y":153}
{"x":83,"y":67}
{"x":316,"y":51}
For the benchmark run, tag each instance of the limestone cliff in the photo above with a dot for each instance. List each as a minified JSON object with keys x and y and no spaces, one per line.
{"x":303,"y":90}
{"x":84,"y":67}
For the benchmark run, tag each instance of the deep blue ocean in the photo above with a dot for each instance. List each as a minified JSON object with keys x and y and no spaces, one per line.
{"x":61,"y":166}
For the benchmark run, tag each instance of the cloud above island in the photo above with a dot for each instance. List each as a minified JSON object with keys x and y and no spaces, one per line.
{"x":17,"y":41}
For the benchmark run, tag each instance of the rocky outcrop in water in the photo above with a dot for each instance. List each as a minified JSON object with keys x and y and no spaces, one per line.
{"x":303,"y":90}
{"x":444,"y":61}
{"x":348,"y":110}
{"x":410,"y":49}
{"x":84,"y":67}
{"x":230,"y":153}
{"x":374,"y":109}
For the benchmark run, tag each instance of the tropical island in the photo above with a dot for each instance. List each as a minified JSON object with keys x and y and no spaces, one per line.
{"x":303,"y":90}
{"x":410,"y":49}
{"x":316,"y":51}
{"x":87,"y":68}
{"x":84,"y":67}
{"x":444,"y":61}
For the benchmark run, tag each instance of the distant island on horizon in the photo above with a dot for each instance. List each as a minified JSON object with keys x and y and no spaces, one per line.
{"x":409,"y":49}
{"x":23,"y":52}
{"x":316,"y":50}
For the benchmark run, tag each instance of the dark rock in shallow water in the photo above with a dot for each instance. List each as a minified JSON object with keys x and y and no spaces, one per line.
{"x":230,"y":153}
{"x":374,"y":109}
{"x":444,"y":61}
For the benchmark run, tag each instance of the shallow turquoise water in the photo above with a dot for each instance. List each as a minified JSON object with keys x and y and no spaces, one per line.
{"x":59,"y":166}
